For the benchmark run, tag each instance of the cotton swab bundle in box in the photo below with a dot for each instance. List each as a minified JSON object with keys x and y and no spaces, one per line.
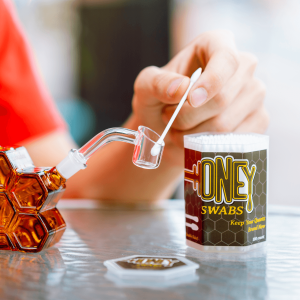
{"x":226,"y":191}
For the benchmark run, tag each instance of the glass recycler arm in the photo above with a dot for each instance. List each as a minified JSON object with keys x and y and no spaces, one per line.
{"x":76,"y":159}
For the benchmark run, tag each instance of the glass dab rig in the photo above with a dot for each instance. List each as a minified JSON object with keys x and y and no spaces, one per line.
{"x":29,"y":219}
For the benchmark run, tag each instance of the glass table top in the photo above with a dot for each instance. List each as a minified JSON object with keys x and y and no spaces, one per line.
{"x":74,"y":269}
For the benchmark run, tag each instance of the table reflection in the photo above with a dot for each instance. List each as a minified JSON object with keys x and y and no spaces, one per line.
{"x":76,"y":270}
{"x":46,"y":268}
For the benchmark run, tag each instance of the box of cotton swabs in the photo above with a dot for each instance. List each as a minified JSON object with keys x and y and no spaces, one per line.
{"x":225,"y":187}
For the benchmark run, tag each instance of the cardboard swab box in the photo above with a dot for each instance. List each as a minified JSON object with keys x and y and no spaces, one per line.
{"x":225,"y":185}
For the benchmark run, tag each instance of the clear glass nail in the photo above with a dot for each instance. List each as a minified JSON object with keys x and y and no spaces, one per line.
{"x":143,"y":139}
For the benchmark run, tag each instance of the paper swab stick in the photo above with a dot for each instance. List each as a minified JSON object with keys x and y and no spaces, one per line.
{"x":156,"y":148}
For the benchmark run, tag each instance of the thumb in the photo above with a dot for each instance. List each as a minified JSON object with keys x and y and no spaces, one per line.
{"x":155,"y":85}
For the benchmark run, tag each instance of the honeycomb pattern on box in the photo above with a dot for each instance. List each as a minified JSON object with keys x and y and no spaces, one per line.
{"x":29,"y":219}
{"x":219,"y":229}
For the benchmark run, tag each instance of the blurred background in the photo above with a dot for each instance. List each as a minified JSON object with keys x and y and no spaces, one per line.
{"x":89,"y":53}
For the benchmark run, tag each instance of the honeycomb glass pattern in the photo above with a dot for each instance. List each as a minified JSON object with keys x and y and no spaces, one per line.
{"x":29,"y":219}
{"x":6,"y":211}
{"x":5,"y":243}
{"x":55,"y":225}
{"x":5,"y":173}
{"x":225,"y":224}
{"x":29,"y":191}
{"x":29,"y":232}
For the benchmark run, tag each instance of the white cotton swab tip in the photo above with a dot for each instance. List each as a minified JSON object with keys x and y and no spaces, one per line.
{"x":196,"y":75}
{"x":156,"y":148}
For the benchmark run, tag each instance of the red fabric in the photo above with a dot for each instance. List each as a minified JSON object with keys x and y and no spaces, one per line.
{"x":26,"y":109}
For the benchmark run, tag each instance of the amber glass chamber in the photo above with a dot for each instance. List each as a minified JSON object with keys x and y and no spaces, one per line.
{"x":29,"y":219}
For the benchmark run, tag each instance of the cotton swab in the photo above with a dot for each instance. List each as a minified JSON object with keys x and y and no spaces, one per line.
{"x":156,"y":148}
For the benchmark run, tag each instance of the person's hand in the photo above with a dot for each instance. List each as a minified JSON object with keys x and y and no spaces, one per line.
{"x":226,"y":98}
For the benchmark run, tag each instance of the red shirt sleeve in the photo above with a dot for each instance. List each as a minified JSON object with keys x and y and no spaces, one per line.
{"x":26,"y":109}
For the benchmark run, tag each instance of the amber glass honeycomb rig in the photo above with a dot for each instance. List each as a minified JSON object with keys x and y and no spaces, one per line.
{"x":29,"y":219}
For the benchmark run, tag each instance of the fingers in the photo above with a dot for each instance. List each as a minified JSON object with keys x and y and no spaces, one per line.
{"x":250,"y":98}
{"x":216,"y":53}
{"x":257,"y":121}
{"x":226,"y":97}
{"x":155,"y":85}
{"x":190,"y":117}
{"x":221,"y":67}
